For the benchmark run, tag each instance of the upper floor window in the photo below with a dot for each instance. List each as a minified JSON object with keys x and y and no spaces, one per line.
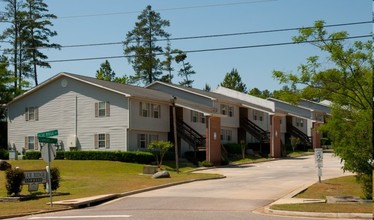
{"x":197,"y":117}
{"x":227,"y":110}
{"x":299,"y":122}
{"x":226,"y":135}
{"x":102,"y":141}
{"x":31,"y":113}
{"x":258,"y":115}
{"x":102,"y":109}
{"x":149,"y":110}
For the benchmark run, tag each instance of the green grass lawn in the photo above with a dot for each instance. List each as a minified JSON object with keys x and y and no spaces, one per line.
{"x":342,"y":186}
{"x":88,"y":178}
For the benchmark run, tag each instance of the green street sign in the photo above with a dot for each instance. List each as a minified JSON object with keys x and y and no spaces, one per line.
{"x":47,"y":140}
{"x":48,"y":133}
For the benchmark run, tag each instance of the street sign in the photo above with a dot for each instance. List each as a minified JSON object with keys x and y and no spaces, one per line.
{"x":48,"y":156}
{"x":47,"y":140}
{"x":48,"y":134}
{"x":318,"y":156}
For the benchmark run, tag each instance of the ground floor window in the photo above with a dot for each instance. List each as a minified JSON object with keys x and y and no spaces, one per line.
{"x":102,"y":141}
{"x":145,"y":139}
{"x":31,"y":143}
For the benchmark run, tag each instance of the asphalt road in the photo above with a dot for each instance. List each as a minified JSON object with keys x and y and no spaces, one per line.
{"x":247,"y":188}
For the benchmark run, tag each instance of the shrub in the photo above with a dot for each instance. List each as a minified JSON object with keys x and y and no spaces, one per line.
{"x":200,"y":156}
{"x":60,"y":155}
{"x":233,"y":148}
{"x":206,"y":163}
{"x":32,"y":155}
{"x":4,"y":154}
{"x":14,"y":179}
{"x":55,"y":179}
{"x":159,"y":149}
{"x":123,"y":156}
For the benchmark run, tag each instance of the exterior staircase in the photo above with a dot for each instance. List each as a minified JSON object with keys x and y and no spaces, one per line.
{"x":256,"y":131}
{"x":293,"y":131}
{"x":191,"y":136}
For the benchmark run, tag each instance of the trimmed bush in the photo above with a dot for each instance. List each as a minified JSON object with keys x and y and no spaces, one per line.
{"x":233,"y":148}
{"x":32,"y":155}
{"x":14,"y":179}
{"x":55,"y":179}
{"x":60,"y":155}
{"x":123,"y":156}
{"x":206,"y":163}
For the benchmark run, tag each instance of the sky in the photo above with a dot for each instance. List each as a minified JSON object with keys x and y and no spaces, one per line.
{"x":82,"y":22}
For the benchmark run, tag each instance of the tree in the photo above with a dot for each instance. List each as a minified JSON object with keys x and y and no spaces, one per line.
{"x":207,"y":87}
{"x":233,"y":81}
{"x":140,"y":45}
{"x":29,"y":31}
{"x":158,"y":149}
{"x":106,"y":73}
{"x":348,"y":84}
{"x":38,"y":33}
{"x":186,"y":70}
{"x":6,"y":89}
{"x":166,"y":64}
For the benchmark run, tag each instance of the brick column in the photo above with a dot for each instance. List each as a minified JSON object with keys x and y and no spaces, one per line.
{"x":213,"y":140}
{"x":316,"y":135}
{"x":275,"y":136}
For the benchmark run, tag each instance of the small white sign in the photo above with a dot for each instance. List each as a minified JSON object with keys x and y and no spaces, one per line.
{"x":35,"y":176}
{"x":318,"y":156}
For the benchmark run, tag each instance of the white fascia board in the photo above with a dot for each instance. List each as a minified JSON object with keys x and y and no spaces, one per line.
{"x":247,"y":98}
{"x":182,"y":89}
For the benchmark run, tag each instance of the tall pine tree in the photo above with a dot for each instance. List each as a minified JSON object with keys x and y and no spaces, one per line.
{"x":141,"y":48}
{"x":233,"y":81}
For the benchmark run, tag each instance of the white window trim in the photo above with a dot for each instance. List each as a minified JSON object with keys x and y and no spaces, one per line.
{"x":106,"y":109}
{"x":35,"y":113}
{"x":106,"y":141}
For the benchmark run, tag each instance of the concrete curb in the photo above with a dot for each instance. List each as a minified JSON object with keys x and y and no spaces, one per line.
{"x":288,"y":199}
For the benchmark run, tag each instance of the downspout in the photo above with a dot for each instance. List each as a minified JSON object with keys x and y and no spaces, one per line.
{"x":76,"y":120}
{"x":209,"y":139}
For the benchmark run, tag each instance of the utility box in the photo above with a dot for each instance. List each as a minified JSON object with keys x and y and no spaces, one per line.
{"x":13,"y":155}
{"x":71,"y":142}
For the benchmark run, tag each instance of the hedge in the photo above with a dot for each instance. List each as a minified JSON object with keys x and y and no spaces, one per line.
{"x":233,"y":148}
{"x":123,"y":156}
{"x":4,"y":154}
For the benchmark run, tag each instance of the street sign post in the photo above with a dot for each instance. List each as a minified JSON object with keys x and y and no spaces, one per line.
{"x":318,"y":156}
{"x":48,"y":154}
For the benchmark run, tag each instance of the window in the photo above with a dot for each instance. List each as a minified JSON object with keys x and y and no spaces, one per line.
{"x":142,"y":141}
{"x":299,"y":122}
{"x":194,"y":116}
{"x":156,"y":111}
{"x":202,"y":118}
{"x":102,"y":141}
{"x":228,"y":135}
{"x":223,"y":109}
{"x":149,"y":110}
{"x":31,"y":143}
{"x":145,"y":139}
{"x":231,"y":111}
{"x":31,"y":114}
{"x":258,"y":115}
{"x":102,"y":109}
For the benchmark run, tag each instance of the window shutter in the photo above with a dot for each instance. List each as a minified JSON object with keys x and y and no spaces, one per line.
{"x":36,"y":143}
{"x":107,"y":141}
{"x":26,"y":143}
{"x":36,"y":113}
{"x":159,"y":111}
{"x":26,"y":114}
{"x":138,"y":140}
{"x":140,"y":108}
{"x":107,"y":109}
{"x":96,"y":141}
{"x":96,"y":109}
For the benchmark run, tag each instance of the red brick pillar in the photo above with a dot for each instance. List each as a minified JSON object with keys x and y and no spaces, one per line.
{"x":316,"y":135}
{"x":213,"y":140}
{"x":275,"y":137}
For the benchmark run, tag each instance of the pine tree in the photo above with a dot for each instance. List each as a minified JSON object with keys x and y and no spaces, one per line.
{"x":141,"y":48}
{"x":186,"y":71}
{"x":233,"y":81}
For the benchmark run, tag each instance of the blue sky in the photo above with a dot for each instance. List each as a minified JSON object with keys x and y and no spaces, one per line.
{"x":93,"y":21}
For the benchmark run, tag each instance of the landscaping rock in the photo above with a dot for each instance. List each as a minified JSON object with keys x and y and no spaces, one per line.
{"x":4,"y":165}
{"x":161,"y":174}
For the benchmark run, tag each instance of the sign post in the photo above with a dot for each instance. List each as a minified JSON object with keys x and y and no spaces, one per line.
{"x":318,"y":156}
{"x":48,"y":154}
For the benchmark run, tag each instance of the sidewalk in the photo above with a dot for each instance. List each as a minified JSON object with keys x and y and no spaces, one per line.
{"x":288,"y":199}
